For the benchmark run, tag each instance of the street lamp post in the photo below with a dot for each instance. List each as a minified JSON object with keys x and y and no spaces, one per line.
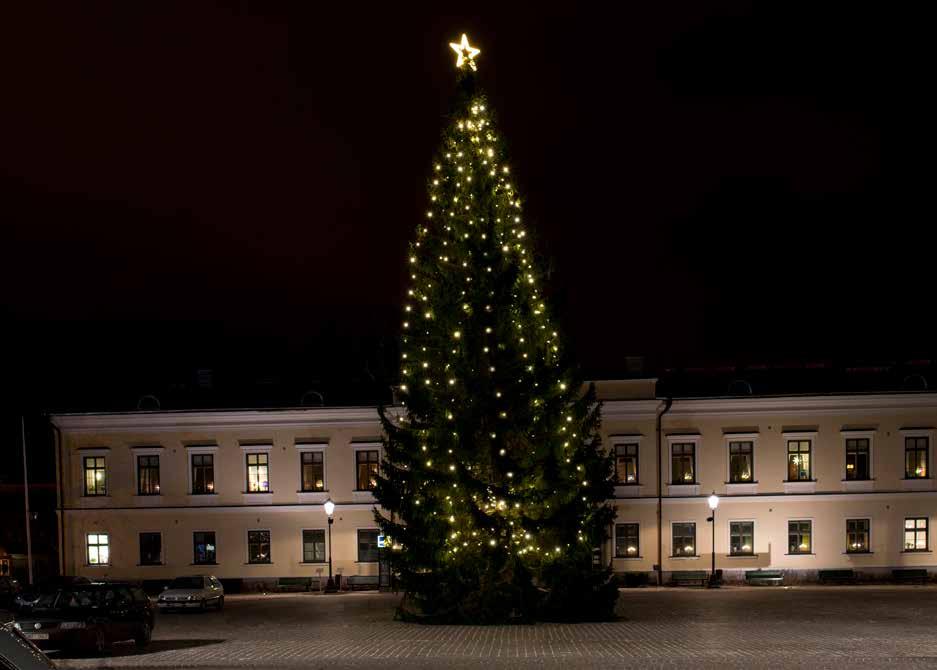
{"x":330,"y":509}
{"x":713,"y":501}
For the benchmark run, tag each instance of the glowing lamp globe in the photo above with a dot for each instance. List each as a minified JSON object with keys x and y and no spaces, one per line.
{"x":713,"y":501}
{"x":329,"y":507}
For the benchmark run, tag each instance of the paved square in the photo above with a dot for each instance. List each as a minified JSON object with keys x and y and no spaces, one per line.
{"x":815,"y":627}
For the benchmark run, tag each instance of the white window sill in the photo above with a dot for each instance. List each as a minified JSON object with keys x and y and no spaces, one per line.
{"x":858,"y":484}
{"x":312,"y":496}
{"x":741,"y":488}
{"x":363,"y":496}
{"x":918,"y":484}
{"x":257,"y":498}
{"x":683,"y":489}
{"x":741,"y":555}
{"x":629,"y":558}
{"x":684,"y":558}
{"x":801,"y":486}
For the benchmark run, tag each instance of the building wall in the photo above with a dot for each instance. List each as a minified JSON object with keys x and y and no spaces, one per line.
{"x":629,"y":417}
{"x":770,"y":502}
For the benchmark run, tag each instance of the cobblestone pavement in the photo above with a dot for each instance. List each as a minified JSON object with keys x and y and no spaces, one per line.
{"x":818,"y":627}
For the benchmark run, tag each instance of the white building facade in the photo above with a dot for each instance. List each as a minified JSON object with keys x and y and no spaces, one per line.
{"x":805,"y":483}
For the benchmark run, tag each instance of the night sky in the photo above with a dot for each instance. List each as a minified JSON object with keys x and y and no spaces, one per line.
{"x":181,"y":182}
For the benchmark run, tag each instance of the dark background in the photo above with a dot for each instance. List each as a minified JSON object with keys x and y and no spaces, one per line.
{"x":210,"y":202}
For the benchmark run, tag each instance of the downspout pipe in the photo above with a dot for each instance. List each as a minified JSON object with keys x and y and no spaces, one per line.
{"x":60,"y":480}
{"x":668,"y":403}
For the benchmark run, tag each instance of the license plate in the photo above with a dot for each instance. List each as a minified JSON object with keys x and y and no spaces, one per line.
{"x":36,"y":636}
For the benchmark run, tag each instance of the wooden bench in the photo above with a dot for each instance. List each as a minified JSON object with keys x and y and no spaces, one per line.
{"x":910,"y":575}
{"x":689,"y":578}
{"x":764,"y":577}
{"x":294,"y":583}
{"x":361,"y":582}
{"x":837,"y":576}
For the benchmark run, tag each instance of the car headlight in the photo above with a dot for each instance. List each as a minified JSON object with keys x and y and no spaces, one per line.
{"x":190,"y":597}
{"x":67,"y":625}
{"x":17,"y":626}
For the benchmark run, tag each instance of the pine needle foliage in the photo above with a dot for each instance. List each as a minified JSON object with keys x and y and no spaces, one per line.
{"x":494,"y":484}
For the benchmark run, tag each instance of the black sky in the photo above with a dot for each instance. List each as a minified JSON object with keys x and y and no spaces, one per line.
{"x":179,"y":179}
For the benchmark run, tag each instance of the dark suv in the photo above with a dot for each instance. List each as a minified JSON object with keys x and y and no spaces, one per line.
{"x":88,"y":617}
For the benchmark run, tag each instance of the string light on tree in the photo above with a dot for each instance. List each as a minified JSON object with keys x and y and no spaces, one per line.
{"x":486,"y":474}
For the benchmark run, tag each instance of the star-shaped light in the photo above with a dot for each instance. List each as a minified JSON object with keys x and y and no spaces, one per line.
{"x":466,"y":53}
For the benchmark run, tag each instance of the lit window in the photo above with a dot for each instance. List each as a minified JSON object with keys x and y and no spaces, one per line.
{"x":258,"y":546}
{"x":148,"y":475}
{"x":626,"y":541}
{"x":683,"y":463}
{"x":313,"y":471}
{"x":915,"y":457}
{"x":98,"y":549}
{"x":857,"y":536}
{"x":626,"y":463}
{"x":741,"y":538}
{"x":915,"y":534}
{"x":95,"y":476}
{"x":203,"y":474}
{"x":857,"y":459}
{"x":741,"y":464}
{"x":683,"y":539}
{"x":314,"y":546}
{"x":204,"y":547}
{"x":799,"y":535}
{"x":367,"y":464}
{"x":798,"y":460}
{"x":258,"y":473}
{"x":367,"y":546}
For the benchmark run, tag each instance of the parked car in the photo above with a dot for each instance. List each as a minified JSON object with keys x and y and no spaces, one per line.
{"x":195,"y":592}
{"x":9,"y":589}
{"x":19,"y":653}
{"x":28,"y":595}
{"x":88,"y":617}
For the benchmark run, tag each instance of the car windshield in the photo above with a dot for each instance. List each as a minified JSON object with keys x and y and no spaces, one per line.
{"x":70,"y":598}
{"x":186,"y":583}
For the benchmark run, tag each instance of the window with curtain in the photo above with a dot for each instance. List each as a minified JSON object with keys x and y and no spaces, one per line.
{"x":683,"y":463}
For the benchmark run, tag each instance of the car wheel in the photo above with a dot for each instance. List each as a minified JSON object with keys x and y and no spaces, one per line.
{"x":144,"y":635}
{"x":220,"y":602}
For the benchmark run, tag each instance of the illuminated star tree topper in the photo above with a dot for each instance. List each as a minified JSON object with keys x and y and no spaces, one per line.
{"x":465,"y":53}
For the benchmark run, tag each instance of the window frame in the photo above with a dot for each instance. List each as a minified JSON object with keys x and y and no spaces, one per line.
{"x":214,"y":552}
{"x":626,"y":440}
{"x":302,"y":546}
{"x":787,"y":446}
{"x":858,"y":435}
{"x":99,"y":490}
{"x":809,"y":551}
{"x":269,"y":560}
{"x":693,"y":461}
{"x":857,"y":449}
{"x":302,"y":467}
{"x":926,"y":450}
{"x":201,"y":450}
{"x":904,"y":534}
{"x":358,"y":531}
{"x":259,"y":467}
{"x":637,"y":540}
{"x":673,"y":546}
{"x":732,"y":440}
{"x":867,"y":531}
{"x":98,"y":545}
{"x":139,"y":473}
{"x":751,"y":551}
{"x":140,"y":535}
{"x":358,"y":451}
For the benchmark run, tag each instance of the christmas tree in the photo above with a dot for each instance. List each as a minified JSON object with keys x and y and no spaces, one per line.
{"x":493,"y":477}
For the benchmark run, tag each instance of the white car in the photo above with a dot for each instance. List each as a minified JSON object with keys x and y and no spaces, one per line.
{"x":196,"y":592}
